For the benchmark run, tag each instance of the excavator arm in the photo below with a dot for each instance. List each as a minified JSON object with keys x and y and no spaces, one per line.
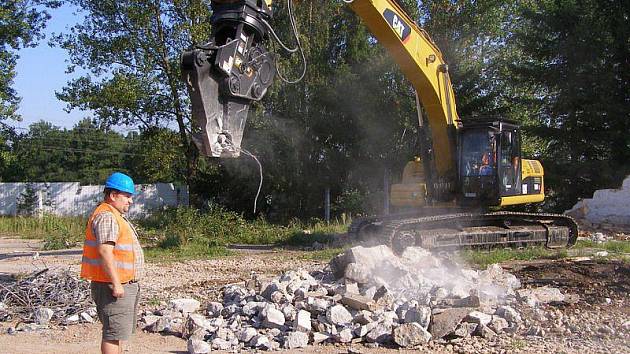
{"x":233,"y":69}
{"x":226,"y":74}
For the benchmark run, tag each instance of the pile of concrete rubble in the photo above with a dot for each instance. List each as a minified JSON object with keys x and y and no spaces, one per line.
{"x":369,"y":295}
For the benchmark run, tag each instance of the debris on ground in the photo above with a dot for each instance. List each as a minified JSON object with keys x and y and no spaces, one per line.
{"x":366,"y":295}
{"x":596,"y":321}
{"x":44,"y":297}
{"x":607,"y":210}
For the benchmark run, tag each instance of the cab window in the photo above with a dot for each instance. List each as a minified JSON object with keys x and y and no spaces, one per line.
{"x":509,"y":164}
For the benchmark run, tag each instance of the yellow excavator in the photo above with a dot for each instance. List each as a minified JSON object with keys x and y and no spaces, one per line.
{"x":468,"y":166}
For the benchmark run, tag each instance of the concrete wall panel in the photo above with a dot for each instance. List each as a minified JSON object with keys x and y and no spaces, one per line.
{"x":72,"y":199}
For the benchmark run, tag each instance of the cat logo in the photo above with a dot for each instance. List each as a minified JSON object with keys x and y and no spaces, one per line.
{"x":402,"y":29}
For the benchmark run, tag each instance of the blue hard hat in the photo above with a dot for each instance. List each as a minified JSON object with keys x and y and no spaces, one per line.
{"x":121,"y":182}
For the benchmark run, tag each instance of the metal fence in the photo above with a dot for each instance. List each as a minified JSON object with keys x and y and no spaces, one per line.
{"x":73,"y":199}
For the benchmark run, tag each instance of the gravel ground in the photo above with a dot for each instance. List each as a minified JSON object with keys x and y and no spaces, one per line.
{"x":594,"y":324}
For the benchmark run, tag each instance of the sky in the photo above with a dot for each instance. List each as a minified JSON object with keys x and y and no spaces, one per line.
{"x":41,"y":72}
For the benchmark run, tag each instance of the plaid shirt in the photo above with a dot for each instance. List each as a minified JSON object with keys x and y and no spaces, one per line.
{"x":105,"y":229}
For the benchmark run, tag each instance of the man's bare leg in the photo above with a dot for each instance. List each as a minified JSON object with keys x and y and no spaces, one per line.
{"x":111,"y":347}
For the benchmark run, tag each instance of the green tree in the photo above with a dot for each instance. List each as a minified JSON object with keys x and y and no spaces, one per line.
{"x":132,"y":49}
{"x":86,"y":153}
{"x":27,"y":202}
{"x":575,"y":76}
{"x":471,"y":35}
{"x":21,"y":25}
{"x":93,"y":151}
{"x":6,"y":153}
{"x":155,"y":155}
{"x":340,"y":127}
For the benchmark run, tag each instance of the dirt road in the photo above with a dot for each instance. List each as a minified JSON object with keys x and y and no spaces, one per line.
{"x":594,"y":324}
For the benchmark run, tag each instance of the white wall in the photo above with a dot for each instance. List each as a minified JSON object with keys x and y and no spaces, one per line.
{"x":608,"y":206}
{"x":70,"y":198}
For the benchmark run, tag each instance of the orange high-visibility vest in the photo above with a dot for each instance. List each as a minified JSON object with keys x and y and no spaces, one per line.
{"x":91,"y":264}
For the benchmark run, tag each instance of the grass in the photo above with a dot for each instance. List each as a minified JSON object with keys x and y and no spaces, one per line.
{"x":186,"y":233}
{"x":187,"y":252}
{"x":36,"y":227}
{"x":153,"y":301}
{"x":178,"y":227}
{"x":57,"y":232}
{"x":484,"y":258}
{"x":180,"y":233}
{"x":619,"y":247}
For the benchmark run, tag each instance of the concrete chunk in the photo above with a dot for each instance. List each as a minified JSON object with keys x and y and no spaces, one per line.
{"x":148,"y":321}
{"x":185,"y":305}
{"x":43,"y":315}
{"x":317,"y":305}
{"x":498,"y":324}
{"x":302,"y":321}
{"x":464,"y":329}
{"x":260,"y":342}
{"x":358,"y":302}
{"x":380,"y":334}
{"x":289,"y":312}
{"x":446,"y":321}
{"x":196,"y":346}
{"x":345,"y":335}
{"x":420,"y":315}
{"x":221,"y":344}
{"x":410,"y":334}
{"x":214,"y":309}
{"x":296,"y":340}
{"x":363,"y":317}
{"x":247,"y":334}
{"x":252,"y":308}
{"x":338,"y":315}
{"x":350,"y":287}
{"x":509,"y":314}
{"x":479,"y":318}
{"x":542,"y":295}
{"x":484,"y":332}
{"x":273,"y":318}
{"x":193,"y":323}
{"x":320,"y":337}
{"x":469,"y":301}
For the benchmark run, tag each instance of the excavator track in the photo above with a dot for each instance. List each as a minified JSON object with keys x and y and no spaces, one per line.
{"x":472,"y":230}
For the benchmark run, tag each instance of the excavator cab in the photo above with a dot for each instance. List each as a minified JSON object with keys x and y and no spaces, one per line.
{"x":489,"y":165}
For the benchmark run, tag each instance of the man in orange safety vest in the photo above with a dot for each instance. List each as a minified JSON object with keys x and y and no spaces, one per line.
{"x":113,"y":261}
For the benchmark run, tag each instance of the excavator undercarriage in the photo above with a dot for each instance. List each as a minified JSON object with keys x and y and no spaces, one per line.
{"x":473,"y":230}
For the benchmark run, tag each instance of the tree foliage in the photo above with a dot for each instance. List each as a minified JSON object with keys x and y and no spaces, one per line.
{"x":574,"y":78}
{"x":131,"y":49}
{"x":21,"y":25}
{"x":558,"y":67}
{"x":88,"y":153}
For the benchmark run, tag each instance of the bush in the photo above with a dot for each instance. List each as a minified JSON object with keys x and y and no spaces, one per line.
{"x":178,"y":227}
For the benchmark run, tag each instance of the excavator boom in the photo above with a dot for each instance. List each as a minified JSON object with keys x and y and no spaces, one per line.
{"x":472,"y":165}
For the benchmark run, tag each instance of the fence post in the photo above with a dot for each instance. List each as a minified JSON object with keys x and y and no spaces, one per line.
{"x":386,"y":192}
{"x":40,"y":203}
{"x":327,"y":204}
